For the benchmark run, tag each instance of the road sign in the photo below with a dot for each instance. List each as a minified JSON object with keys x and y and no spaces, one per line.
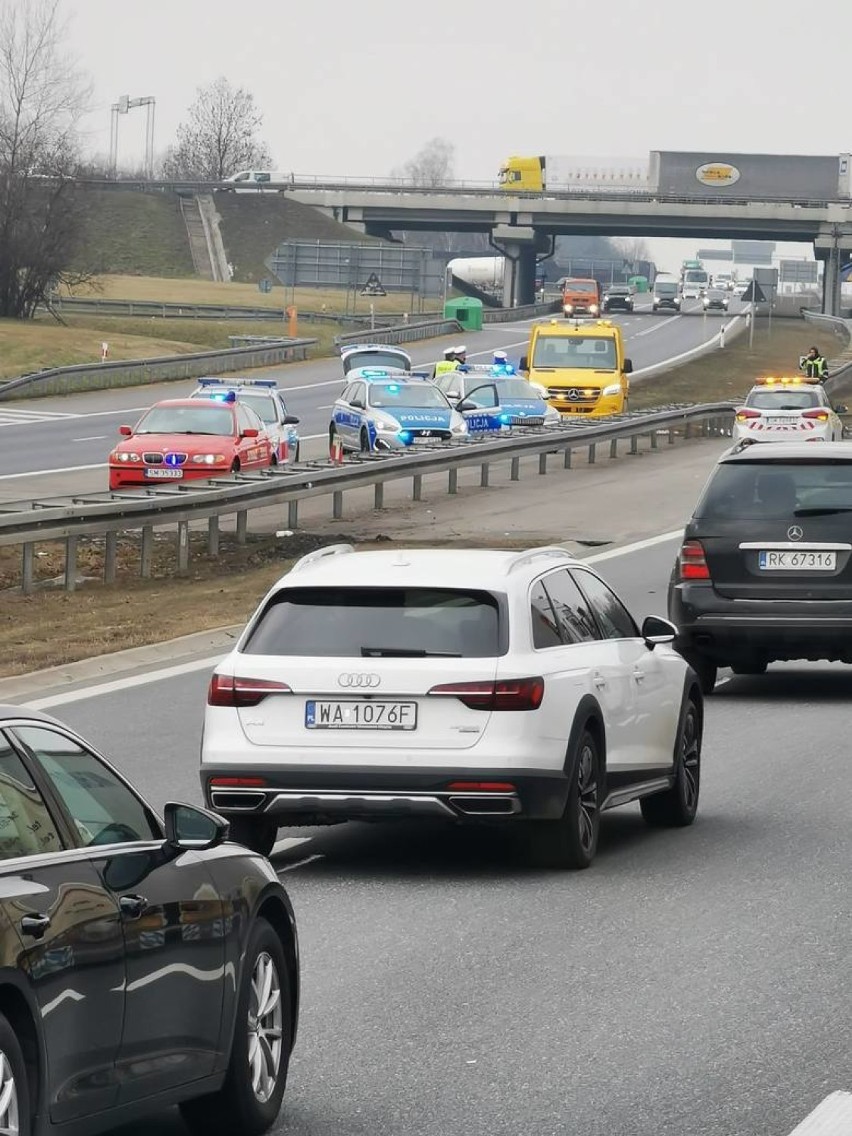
{"x":373,"y":287}
{"x":799,"y":271}
{"x":715,"y":254}
{"x":753,"y":294}
{"x":753,"y":252}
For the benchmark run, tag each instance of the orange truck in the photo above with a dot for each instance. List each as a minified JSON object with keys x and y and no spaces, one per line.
{"x":581,"y":297}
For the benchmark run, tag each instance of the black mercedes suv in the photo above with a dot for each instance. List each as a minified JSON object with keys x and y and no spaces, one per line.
{"x":765,"y":569}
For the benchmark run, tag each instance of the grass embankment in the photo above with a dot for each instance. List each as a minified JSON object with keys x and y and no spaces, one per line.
{"x":134,"y":232}
{"x":52,"y":627}
{"x":729,"y":373}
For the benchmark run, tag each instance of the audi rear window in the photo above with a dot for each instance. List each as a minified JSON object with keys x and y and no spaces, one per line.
{"x":761,"y":399}
{"x":753,"y":490}
{"x":359,"y":623}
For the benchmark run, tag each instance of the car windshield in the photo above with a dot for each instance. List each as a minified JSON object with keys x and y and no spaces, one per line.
{"x":618,"y":290}
{"x":421,"y":395}
{"x":580,"y":286}
{"x":187,"y":420}
{"x":762,"y":399}
{"x":589,"y":352}
{"x":666,"y":288}
{"x":753,"y":490}
{"x":715,"y":294}
{"x":374,"y":622}
{"x":516,"y":388}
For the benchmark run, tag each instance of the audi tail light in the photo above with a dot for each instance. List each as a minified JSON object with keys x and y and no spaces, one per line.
{"x":228,"y":690}
{"x":746,"y":415}
{"x":693,"y":562}
{"x":818,"y":415}
{"x":505,"y":694}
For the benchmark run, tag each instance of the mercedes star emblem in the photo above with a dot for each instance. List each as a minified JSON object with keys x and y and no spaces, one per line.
{"x":794,"y":532}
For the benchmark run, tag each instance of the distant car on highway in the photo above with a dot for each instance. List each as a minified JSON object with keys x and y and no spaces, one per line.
{"x":509,"y":688}
{"x":788,"y":409}
{"x":741,"y":288}
{"x":716,"y":299}
{"x":521,"y":403}
{"x":184,"y":439}
{"x":765,"y":569}
{"x":393,"y":412}
{"x":267,"y":401}
{"x":618,"y":297}
{"x":147,"y":962}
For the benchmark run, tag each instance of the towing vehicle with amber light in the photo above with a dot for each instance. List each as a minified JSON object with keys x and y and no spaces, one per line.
{"x":582,"y":367}
{"x":788,"y":408}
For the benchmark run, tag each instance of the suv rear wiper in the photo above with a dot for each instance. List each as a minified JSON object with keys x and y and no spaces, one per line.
{"x":820,"y":511}
{"x":405,"y":653}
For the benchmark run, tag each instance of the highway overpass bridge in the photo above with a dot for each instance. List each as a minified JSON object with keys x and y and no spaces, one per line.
{"x":522,"y":225}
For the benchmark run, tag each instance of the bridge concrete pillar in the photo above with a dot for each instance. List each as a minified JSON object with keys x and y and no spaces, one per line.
{"x":832,"y":249}
{"x":519,"y":245}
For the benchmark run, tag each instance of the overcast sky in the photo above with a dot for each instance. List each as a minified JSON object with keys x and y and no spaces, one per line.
{"x":357,"y":88}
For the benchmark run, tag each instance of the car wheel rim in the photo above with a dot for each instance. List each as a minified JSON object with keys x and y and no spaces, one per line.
{"x":264,"y":1028}
{"x":587,"y":795}
{"x":690,"y":757}
{"x":9,"y":1115}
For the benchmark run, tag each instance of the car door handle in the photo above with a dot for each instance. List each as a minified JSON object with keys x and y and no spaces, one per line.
{"x":133,"y":906}
{"x":639,"y":675}
{"x":35,"y":925}
{"x":600,"y":681}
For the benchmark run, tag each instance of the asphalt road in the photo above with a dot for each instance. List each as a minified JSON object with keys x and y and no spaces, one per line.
{"x":74,"y":434}
{"x":692,"y":983}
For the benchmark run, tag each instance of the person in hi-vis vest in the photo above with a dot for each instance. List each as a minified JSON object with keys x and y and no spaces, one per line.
{"x":448,"y":363}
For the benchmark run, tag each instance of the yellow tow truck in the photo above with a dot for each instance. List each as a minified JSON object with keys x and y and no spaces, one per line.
{"x":582,"y":366}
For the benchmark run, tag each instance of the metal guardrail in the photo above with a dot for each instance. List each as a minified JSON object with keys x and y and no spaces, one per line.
{"x":107,"y":514}
{"x":402,"y":332}
{"x":523,"y":312}
{"x":137,"y":372}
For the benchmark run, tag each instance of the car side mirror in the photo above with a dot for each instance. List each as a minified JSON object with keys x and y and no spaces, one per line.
{"x":291,"y":420}
{"x":454,"y":394}
{"x":628,"y":366}
{"x":841,"y":409}
{"x":524,"y":364}
{"x":126,"y":431}
{"x":656,"y":631}
{"x":189,"y":827}
{"x":357,"y":403}
{"x":250,"y":433}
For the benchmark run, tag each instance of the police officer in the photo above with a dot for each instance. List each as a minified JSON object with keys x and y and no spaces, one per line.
{"x":448,"y":363}
{"x":813,"y":364}
{"x":500,"y":365}
{"x":461,"y":357}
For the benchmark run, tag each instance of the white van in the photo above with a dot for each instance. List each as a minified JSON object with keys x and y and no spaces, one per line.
{"x":257,"y":177}
{"x":666,"y":293}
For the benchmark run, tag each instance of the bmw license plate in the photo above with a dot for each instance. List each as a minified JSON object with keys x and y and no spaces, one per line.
{"x":367,"y":715}
{"x":164,"y":472}
{"x":801,"y":559}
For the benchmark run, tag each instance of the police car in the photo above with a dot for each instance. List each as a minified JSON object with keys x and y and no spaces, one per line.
{"x":788,"y":409}
{"x":382,"y":410}
{"x":358,"y":355}
{"x":521,"y":403}
{"x":267,"y":401}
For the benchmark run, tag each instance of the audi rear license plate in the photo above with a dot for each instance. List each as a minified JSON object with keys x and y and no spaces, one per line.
{"x":801,"y":559}
{"x":166,"y":472}
{"x":366,"y":715}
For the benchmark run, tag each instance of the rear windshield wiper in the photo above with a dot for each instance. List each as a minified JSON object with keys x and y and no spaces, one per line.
{"x":405,"y":653}
{"x":820,"y":511}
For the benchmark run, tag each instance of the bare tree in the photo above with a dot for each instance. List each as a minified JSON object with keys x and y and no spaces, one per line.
{"x":42,"y":95}
{"x":220,"y":136}
{"x":633,"y":248}
{"x":431,"y":166}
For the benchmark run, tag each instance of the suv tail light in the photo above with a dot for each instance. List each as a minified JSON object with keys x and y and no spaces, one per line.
{"x":819,"y":415}
{"x":227,"y":690}
{"x":692,"y":561}
{"x":481,"y":787}
{"x":506,"y":694}
{"x":744,"y":414}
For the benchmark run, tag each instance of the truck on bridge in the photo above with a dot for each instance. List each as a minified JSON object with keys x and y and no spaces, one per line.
{"x":694,"y":175}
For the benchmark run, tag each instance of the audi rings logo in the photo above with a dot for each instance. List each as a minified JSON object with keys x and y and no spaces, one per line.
{"x":357,"y":680}
{"x":794,"y":532}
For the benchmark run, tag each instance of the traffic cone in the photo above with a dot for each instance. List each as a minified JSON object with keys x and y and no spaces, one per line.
{"x":335,"y":450}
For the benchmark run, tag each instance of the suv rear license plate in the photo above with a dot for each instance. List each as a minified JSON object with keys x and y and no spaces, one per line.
{"x":802,"y":559}
{"x":365,"y":715}
{"x":161,"y":471}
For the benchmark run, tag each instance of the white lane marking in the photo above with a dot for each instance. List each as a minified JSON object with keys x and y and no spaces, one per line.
{"x":14,"y":417}
{"x":289,"y":842}
{"x":636,"y":546}
{"x":91,"y":438}
{"x":831,"y":1117}
{"x":721,"y":682}
{"x":301,"y":863}
{"x":657,"y":326}
{"x":42,"y":472}
{"x":326,"y":406}
{"x":212,"y":660}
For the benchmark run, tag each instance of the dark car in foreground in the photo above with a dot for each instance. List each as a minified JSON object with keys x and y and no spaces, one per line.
{"x":145,"y":963}
{"x":765,"y":569}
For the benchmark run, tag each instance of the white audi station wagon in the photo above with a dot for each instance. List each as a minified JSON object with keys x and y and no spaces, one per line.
{"x":470,"y":686}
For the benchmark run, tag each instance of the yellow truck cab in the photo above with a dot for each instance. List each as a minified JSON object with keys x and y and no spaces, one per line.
{"x":581,"y":365}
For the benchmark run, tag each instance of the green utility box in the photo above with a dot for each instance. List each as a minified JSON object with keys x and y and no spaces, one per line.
{"x":640,"y":283}
{"x":467,"y":311}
